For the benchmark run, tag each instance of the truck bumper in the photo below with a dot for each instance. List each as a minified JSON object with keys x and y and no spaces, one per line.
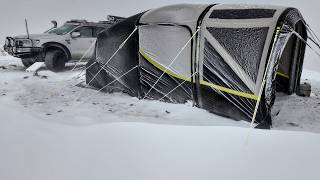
{"x":21,"y":52}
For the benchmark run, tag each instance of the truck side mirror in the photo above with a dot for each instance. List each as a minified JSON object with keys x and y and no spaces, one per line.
{"x":75,"y":34}
{"x":55,"y":24}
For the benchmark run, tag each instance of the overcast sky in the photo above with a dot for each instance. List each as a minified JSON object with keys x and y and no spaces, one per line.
{"x":40,"y":12}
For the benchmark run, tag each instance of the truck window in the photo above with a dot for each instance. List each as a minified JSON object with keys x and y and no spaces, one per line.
{"x":97,"y":30}
{"x":85,"y":31}
{"x":64,"y":29}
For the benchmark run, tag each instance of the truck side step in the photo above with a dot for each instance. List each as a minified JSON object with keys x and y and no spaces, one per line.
{"x":35,"y":67}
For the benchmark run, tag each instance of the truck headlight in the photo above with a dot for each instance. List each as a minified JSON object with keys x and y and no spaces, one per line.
{"x":35,"y":42}
{"x":23,"y":43}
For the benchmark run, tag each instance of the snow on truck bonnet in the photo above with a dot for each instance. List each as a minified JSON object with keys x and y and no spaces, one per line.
{"x":227,"y":59}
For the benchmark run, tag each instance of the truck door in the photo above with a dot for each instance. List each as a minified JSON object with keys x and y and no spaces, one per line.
{"x":80,"y":45}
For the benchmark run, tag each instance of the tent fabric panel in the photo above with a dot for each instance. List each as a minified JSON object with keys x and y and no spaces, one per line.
{"x":271,"y":23}
{"x":218,"y":102}
{"x":216,"y":71}
{"x":242,"y":13}
{"x":214,"y":64}
{"x":107,"y":44}
{"x":163,"y":43}
{"x":179,"y":14}
{"x":245,"y":45}
{"x":227,"y":58}
{"x":168,"y":88}
{"x":215,"y":102}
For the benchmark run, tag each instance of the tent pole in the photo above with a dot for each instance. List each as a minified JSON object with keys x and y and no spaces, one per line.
{"x":262,"y":84}
{"x":304,"y":41}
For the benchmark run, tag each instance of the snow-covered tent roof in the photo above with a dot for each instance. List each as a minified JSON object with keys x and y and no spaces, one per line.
{"x":180,"y":14}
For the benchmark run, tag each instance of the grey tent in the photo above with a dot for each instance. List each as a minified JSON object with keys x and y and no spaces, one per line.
{"x":216,"y":56}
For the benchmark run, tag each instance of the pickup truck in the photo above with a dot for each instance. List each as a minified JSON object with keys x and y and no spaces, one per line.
{"x":73,"y":40}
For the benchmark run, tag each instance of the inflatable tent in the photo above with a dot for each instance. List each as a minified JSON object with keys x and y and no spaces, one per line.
{"x":224,"y":58}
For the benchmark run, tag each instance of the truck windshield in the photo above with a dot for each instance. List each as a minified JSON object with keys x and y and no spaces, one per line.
{"x":64,"y":29}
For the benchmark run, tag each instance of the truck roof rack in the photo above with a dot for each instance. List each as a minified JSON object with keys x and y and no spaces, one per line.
{"x":115,"y":18}
{"x":77,"y":21}
{"x":110,"y":20}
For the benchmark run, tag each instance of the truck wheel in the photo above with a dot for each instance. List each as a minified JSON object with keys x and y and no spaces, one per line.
{"x":55,"y":60}
{"x":27,"y":62}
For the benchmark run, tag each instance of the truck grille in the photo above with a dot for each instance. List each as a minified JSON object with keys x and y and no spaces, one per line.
{"x":9,"y":42}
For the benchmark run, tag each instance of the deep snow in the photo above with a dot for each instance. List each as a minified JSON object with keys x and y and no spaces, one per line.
{"x":52,"y":129}
{"x":56,"y":97}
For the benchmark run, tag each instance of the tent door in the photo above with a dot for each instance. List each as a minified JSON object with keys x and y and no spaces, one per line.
{"x":163,"y":64}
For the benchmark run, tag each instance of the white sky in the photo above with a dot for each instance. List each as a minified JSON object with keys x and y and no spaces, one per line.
{"x":40,"y":12}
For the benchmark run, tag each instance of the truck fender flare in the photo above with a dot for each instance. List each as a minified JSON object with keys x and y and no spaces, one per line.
{"x":56,"y":45}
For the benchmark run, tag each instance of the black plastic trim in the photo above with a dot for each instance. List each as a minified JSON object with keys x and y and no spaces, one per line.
{"x":242,"y":13}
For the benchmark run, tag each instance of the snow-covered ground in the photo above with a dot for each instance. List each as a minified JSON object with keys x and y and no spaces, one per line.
{"x":300,"y":113}
{"x":52,"y":129}
{"x":56,"y":97}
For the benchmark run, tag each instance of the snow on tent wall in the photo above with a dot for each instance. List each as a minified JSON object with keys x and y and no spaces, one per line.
{"x":163,"y":43}
{"x":217,"y":72}
{"x":213,"y":64}
{"x":245,"y":45}
{"x":178,"y":14}
{"x":159,"y":46}
{"x":293,"y":16}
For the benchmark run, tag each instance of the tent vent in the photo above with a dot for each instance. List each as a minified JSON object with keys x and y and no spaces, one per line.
{"x":242,"y":13}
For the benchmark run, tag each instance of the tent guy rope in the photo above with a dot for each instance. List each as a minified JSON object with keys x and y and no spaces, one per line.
{"x":120,"y":47}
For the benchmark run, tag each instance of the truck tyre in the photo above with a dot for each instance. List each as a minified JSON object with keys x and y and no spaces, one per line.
{"x":55,"y":60}
{"x":27,"y":62}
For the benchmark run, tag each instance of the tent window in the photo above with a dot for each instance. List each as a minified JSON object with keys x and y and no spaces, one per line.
{"x":216,"y":70}
{"x":242,"y":13}
{"x":245,"y":45}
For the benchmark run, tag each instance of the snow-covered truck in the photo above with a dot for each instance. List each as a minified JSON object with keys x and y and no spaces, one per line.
{"x":71,"y":41}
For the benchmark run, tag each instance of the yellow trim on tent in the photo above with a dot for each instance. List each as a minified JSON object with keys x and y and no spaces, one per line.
{"x":159,"y":66}
{"x":202,"y":82}
{"x":283,"y":75}
{"x":230,"y":91}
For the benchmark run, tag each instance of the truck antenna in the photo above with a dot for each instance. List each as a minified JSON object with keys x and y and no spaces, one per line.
{"x":26,"y":22}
